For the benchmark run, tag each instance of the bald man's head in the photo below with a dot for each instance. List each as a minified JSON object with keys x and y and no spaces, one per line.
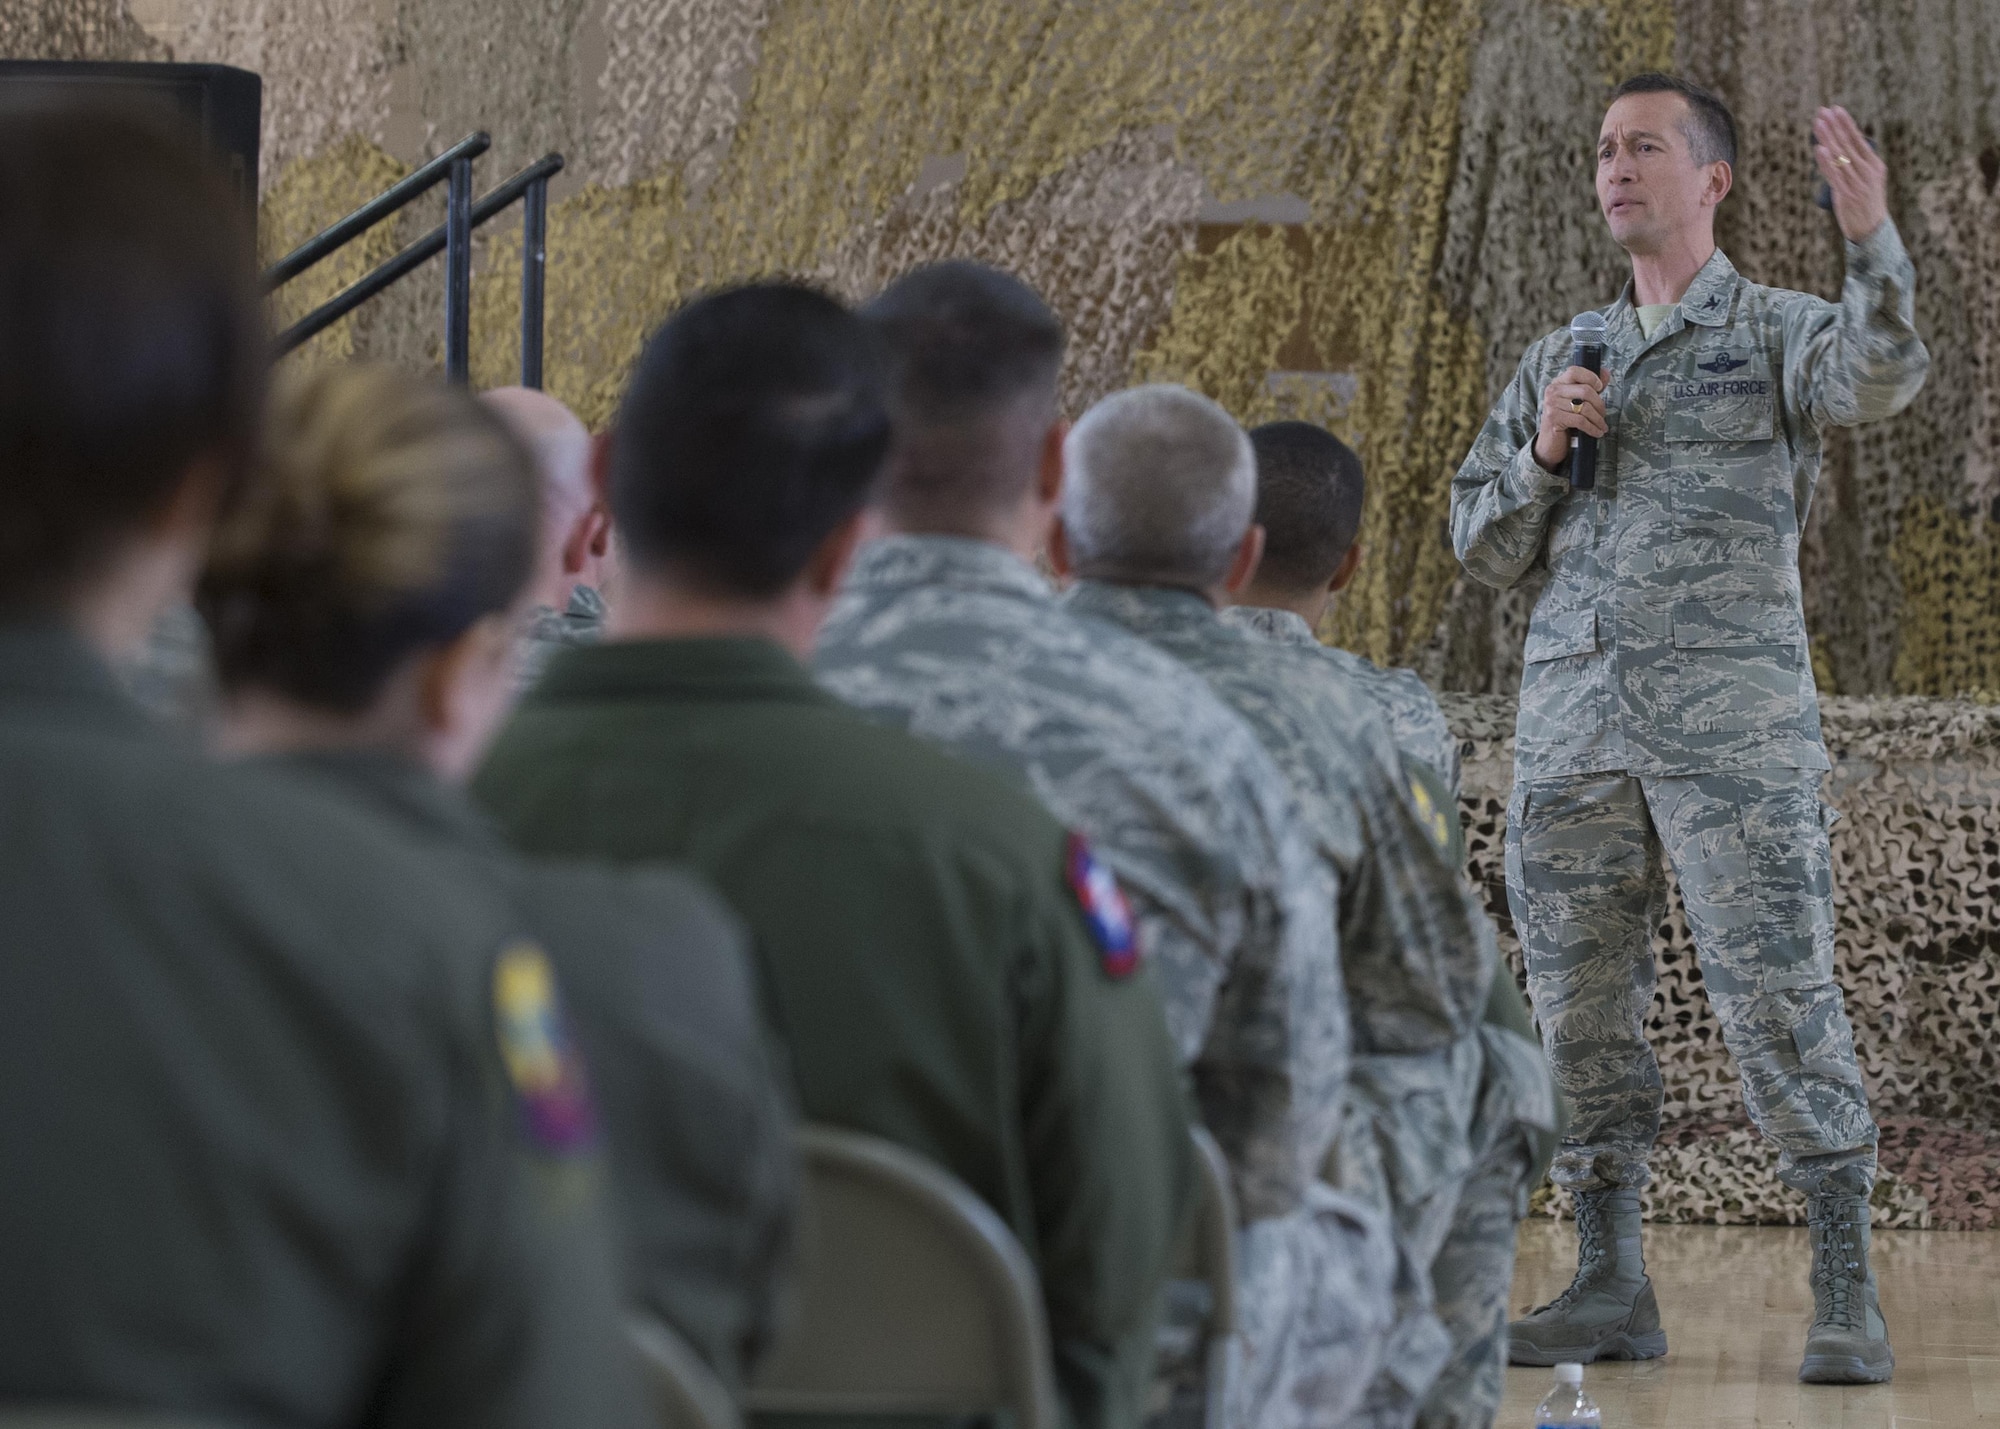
{"x":557,"y":437}
{"x":572,"y":517}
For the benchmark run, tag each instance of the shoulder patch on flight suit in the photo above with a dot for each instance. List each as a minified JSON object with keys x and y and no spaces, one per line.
{"x":1104,"y":909}
{"x":542,"y":1060}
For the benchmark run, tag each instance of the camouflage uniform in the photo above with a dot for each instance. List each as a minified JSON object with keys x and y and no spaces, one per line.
{"x":1472,"y":1264}
{"x":1414,"y":716}
{"x":961,"y":642}
{"x":1668,"y":702}
{"x":1417,"y":950}
{"x":581,"y":622}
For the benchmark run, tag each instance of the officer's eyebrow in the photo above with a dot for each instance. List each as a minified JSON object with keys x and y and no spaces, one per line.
{"x":1605,"y":138}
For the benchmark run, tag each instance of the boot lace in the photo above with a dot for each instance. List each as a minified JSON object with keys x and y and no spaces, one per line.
{"x":1837,"y":1276}
{"x":1590,"y":1228}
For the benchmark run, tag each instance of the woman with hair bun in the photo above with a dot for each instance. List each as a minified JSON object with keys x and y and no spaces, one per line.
{"x":366,"y":602}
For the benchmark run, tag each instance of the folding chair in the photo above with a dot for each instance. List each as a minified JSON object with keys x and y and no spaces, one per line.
{"x":915,"y":1298}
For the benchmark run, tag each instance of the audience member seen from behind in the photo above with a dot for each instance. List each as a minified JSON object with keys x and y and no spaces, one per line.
{"x":264,"y":1157}
{"x":949,"y":968}
{"x":1309,"y":497}
{"x":366,"y":602}
{"x":1310,"y":492}
{"x":1157,"y":519}
{"x":572,"y":578}
{"x":946,"y":629}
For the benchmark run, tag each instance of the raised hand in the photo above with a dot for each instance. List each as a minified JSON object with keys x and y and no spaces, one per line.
{"x":1854,"y":171}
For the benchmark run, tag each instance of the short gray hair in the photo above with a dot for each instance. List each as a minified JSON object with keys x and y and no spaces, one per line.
{"x":1161,"y":485}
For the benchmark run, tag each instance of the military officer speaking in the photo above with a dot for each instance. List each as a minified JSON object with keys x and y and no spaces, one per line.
{"x":1667,"y":704}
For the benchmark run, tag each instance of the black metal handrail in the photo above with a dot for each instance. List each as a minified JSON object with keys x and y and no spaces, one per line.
{"x":530,"y":187}
{"x":390,"y":200}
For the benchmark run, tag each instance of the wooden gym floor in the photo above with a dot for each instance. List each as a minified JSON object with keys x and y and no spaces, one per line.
{"x":1735,"y":1304}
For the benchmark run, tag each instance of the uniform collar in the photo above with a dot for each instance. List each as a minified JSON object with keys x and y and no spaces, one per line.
{"x":398,"y":786}
{"x":708,"y":668}
{"x":46,"y":662}
{"x":1708,"y":302}
{"x":1287,"y":627}
{"x":1144,"y":609}
{"x":959,"y":562}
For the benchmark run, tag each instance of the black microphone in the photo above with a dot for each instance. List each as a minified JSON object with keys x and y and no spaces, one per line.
{"x":1586,"y":334}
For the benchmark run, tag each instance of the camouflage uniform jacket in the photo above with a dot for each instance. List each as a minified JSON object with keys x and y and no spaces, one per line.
{"x":1416,"y":950}
{"x":580,"y":622}
{"x":960,"y":642}
{"x":1670,"y":639}
{"x":1414,"y":716}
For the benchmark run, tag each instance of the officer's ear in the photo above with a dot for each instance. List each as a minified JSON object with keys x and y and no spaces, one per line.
{"x":1049,"y":473}
{"x":1060,"y":560}
{"x":1243,"y":569}
{"x":827,"y":566}
{"x":1344,"y":573}
{"x":1720,"y":179}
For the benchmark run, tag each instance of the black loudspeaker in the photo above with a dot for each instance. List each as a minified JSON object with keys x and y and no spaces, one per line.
{"x":225,"y":104}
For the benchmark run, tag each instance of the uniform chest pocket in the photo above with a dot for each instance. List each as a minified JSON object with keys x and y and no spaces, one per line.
{"x":1722,"y":394}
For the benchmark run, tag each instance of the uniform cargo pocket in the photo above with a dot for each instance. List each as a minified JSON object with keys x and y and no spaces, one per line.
{"x":1564,"y":680}
{"x":1791,"y":871}
{"x":1561,"y":633}
{"x":1737,"y":664}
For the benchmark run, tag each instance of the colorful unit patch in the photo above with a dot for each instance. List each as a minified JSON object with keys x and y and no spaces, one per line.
{"x":1104,"y":908}
{"x":541,"y":1058}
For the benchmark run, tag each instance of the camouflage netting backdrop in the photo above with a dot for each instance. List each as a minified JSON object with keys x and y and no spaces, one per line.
{"x":1356,"y":210}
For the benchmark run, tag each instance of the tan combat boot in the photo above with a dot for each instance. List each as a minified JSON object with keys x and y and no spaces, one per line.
{"x":1608,"y":1312}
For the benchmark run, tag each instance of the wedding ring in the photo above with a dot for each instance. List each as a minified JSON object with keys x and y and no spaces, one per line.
{"x":1842,"y":159}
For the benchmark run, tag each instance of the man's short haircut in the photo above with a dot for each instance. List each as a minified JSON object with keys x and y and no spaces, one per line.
{"x":755,"y":424}
{"x":1710,"y":127}
{"x":967,"y":346}
{"x":1309,"y":495}
{"x":1162,"y":485}
{"x":132,"y":341}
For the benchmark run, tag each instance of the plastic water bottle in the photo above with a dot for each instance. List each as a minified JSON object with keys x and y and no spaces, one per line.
{"x":1567,"y":1406}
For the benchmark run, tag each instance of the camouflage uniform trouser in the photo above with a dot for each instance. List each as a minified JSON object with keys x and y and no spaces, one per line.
{"x":1436,"y":1139}
{"x":1315,"y":1312}
{"x":1585,"y":884}
{"x":1473,"y":1271}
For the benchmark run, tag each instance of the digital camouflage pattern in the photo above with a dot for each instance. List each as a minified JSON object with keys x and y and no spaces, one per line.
{"x":1416,"y":946}
{"x":1415,"y":719}
{"x":173,"y":674}
{"x":961,"y":642}
{"x":1670,"y":638}
{"x":1417,"y":949}
{"x":580,"y":622}
{"x":1586,"y":888}
{"x":1474,"y":1273}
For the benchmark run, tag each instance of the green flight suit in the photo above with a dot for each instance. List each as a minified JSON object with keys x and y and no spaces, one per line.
{"x":657,"y":976}
{"x":928,"y":961}
{"x":271,"y":1152}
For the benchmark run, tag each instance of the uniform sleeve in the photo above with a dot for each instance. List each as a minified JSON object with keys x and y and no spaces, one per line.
{"x":1108,"y":1151}
{"x":511,"y":1316}
{"x":1502,"y":497}
{"x":1507,"y":1015}
{"x":1430,"y":941}
{"x":1859,"y":360}
{"x":696,"y":1107}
